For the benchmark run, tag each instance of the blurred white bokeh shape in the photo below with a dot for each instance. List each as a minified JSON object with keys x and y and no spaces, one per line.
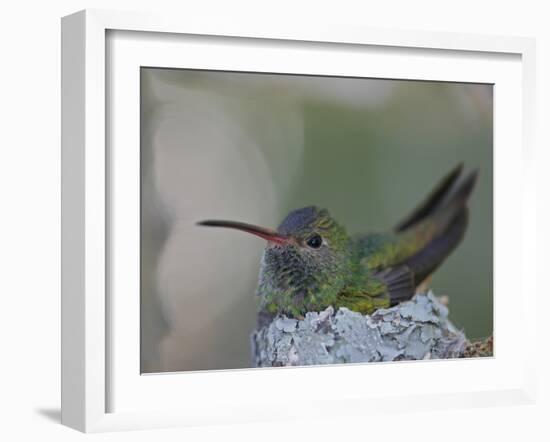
{"x":207,"y":164}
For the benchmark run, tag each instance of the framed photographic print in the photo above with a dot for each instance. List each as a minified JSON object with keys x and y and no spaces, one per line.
{"x":256,"y":219}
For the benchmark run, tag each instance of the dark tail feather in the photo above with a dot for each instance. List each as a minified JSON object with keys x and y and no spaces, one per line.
{"x":451,"y":218}
{"x":432,"y":202}
{"x":425,"y":262}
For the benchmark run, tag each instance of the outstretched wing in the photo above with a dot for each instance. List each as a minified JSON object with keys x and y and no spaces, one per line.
{"x":433,"y":200}
{"x":402,"y":259}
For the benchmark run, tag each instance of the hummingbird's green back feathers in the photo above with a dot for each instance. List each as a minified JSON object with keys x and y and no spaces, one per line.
{"x":310,"y":262}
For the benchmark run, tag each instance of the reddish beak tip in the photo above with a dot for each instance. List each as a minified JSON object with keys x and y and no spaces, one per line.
{"x":263,"y":232}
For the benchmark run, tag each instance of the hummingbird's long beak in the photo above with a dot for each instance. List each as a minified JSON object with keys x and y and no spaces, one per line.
{"x":263,"y":232}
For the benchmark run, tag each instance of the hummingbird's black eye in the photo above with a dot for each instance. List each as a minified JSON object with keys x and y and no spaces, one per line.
{"x":315,"y":242}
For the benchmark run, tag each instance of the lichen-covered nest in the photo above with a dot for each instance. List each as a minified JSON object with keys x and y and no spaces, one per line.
{"x":416,"y":329}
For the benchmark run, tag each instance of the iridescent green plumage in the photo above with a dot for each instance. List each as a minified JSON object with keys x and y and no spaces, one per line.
{"x":310,"y":262}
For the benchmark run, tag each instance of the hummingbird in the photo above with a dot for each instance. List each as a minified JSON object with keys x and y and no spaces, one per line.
{"x":310,"y":262}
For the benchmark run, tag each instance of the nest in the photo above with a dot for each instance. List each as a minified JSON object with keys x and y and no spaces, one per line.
{"x":416,"y":329}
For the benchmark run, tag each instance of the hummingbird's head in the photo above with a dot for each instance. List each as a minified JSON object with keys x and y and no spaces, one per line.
{"x":308,"y":253}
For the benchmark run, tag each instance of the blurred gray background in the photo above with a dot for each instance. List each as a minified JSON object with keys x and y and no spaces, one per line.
{"x":252,"y":147}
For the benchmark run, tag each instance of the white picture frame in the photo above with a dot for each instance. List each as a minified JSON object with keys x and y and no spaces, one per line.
{"x":91,"y":357}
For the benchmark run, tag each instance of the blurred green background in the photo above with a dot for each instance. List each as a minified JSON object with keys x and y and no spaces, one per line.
{"x":252,"y":147}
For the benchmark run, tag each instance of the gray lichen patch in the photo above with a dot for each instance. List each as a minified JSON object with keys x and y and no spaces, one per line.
{"x":417,"y":329}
